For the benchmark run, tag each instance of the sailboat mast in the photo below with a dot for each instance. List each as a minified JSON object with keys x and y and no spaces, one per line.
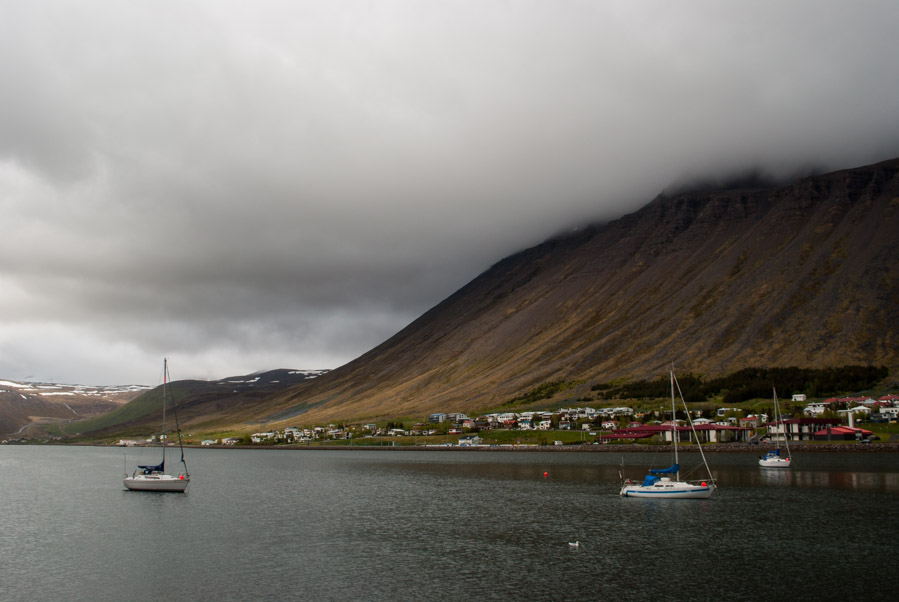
{"x":777,"y":424}
{"x":783,"y":425}
{"x":165,"y":379}
{"x":674,"y":425}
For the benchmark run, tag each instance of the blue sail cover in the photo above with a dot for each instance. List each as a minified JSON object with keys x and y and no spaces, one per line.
{"x":670,"y":470}
{"x":149,"y":469}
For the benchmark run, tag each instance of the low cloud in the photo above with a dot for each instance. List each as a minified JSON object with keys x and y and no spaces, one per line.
{"x":248,"y":186}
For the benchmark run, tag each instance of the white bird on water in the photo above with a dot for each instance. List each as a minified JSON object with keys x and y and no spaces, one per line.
{"x":574,"y":544}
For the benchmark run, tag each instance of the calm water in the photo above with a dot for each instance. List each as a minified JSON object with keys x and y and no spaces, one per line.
{"x":375,"y":525}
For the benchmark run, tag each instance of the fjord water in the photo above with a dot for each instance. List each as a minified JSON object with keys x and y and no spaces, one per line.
{"x":378,"y":525}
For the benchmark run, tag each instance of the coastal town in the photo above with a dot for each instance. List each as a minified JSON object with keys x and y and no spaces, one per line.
{"x":834,"y":419}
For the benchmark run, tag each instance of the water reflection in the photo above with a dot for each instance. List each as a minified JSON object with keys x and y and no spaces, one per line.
{"x":734,"y":470}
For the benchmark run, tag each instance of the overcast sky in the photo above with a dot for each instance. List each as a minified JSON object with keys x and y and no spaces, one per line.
{"x":242,"y":186}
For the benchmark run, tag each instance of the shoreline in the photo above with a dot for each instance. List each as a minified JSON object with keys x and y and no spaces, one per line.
{"x":799,"y":446}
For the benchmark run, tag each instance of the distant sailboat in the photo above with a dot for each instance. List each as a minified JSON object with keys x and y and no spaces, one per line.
{"x":654,"y":485}
{"x":153,"y":477}
{"x":773,"y":459}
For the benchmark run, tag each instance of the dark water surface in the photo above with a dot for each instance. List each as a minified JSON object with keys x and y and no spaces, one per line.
{"x":377,"y":525}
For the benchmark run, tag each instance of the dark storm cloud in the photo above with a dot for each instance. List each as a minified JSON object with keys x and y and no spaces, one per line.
{"x":285,"y":184}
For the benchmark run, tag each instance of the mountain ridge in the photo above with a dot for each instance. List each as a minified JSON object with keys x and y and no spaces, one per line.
{"x":711,"y":281}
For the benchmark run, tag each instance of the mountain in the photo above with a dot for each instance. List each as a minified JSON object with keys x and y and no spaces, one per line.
{"x":709,"y":280}
{"x":25,"y":404}
{"x":200,"y":404}
{"x":712,"y":281}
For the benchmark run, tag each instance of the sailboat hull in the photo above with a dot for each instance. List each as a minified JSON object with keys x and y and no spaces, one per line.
{"x":677,"y":490}
{"x":157,"y":482}
{"x":774,"y":462}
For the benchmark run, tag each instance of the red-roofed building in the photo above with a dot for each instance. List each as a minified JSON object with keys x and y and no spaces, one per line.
{"x":707,"y":433}
{"x":804,"y":429}
{"x":841,"y":433}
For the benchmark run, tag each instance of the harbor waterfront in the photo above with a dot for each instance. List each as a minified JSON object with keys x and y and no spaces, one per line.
{"x":371,"y":525}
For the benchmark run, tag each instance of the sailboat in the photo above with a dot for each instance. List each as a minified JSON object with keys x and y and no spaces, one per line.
{"x":152,"y":477}
{"x":773,"y":459}
{"x":657,"y":484}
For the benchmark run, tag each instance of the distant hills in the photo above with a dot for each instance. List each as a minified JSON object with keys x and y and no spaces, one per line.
{"x":27,"y":405}
{"x":712,"y":281}
{"x":200,"y":404}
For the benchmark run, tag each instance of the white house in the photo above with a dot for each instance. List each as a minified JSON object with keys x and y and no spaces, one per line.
{"x":799,"y":397}
{"x":815,"y":409}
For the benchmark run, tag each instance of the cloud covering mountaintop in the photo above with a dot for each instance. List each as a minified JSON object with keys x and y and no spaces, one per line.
{"x":243,"y":186}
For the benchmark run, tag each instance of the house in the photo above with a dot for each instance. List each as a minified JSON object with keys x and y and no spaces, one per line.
{"x":208,"y":442}
{"x":842,"y":433}
{"x":707,"y":433}
{"x":230,"y":441}
{"x":815,"y":409}
{"x":856,"y":410}
{"x":437,"y":418}
{"x":748,"y":422}
{"x":803,"y":429}
{"x":799,"y":398}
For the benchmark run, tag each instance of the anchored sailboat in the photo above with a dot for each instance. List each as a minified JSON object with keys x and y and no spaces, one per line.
{"x":657,"y":485}
{"x":153,"y":477}
{"x":773,"y":459}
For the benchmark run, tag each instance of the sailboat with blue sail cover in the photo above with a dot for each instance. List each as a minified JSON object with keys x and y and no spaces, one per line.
{"x":659,"y":482}
{"x":152,"y":477}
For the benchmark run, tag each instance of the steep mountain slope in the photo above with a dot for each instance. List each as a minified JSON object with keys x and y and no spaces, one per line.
{"x":714,"y":281}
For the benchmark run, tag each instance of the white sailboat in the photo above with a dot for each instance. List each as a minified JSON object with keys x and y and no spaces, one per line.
{"x":773,"y":459}
{"x":657,"y":484}
{"x":153,"y":477}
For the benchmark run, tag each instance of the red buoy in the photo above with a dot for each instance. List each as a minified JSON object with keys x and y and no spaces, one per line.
{"x":545,"y":474}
